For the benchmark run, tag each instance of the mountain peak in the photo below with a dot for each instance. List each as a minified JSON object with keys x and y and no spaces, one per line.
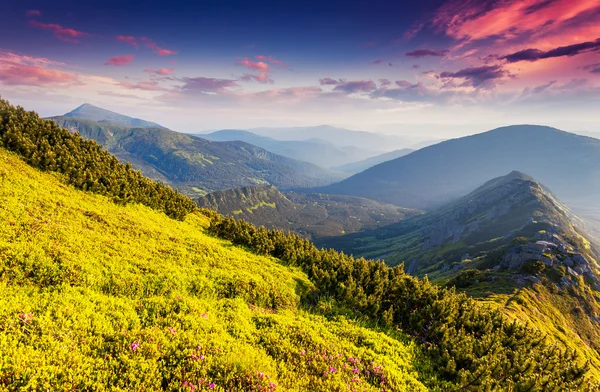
{"x":88,"y":111}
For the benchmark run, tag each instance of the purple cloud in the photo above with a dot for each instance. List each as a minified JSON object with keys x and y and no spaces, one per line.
{"x":207,"y":84}
{"x":330,"y":82}
{"x":593,"y":68}
{"x":356,"y":86}
{"x":536,"y":54}
{"x":384,"y":82}
{"x":478,"y":76}
{"x":427,"y":52}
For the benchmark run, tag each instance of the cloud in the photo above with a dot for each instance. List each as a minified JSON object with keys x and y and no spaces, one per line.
{"x":484,"y":76}
{"x":378,"y":61}
{"x":60,"y":32}
{"x":32,"y":13}
{"x":536,"y":54}
{"x":128,"y":39}
{"x":356,"y":86}
{"x":30,"y":71}
{"x":157,"y":49}
{"x":254,"y":65}
{"x":146,"y":86}
{"x":289,"y":94}
{"x":262,"y":77}
{"x":120,"y":60}
{"x":160,"y":71}
{"x":270,"y":59}
{"x":384,"y":82}
{"x":330,"y":82}
{"x":202,"y":84}
{"x":418,"y":53}
{"x":593,"y":68}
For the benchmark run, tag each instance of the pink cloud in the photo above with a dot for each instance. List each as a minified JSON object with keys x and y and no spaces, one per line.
{"x":19,"y":70}
{"x":479,"y":77}
{"x":160,"y":71}
{"x":330,"y":81}
{"x":120,"y":60}
{"x":60,"y":32}
{"x":157,"y":49}
{"x":261,"y":58}
{"x":262,"y":77}
{"x":145,"y":86}
{"x":128,"y":39}
{"x":546,"y":24}
{"x":33,"y":13}
{"x":254,"y":65}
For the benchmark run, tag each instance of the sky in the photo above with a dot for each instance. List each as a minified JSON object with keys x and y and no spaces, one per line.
{"x":428,"y":68}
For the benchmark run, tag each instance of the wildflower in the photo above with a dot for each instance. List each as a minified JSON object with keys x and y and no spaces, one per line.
{"x":134,"y":346}
{"x":302,"y":352}
{"x":355,"y":370}
{"x":204,"y":315}
{"x":332,"y":369}
{"x":26,"y":317}
{"x":172,"y":330}
{"x":211,"y":385}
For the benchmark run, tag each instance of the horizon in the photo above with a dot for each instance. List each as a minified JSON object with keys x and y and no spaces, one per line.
{"x":437,"y":69}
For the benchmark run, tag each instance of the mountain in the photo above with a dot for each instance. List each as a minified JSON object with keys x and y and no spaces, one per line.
{"x":510,"y":242}
{"x":310,"y":215}
{"x":111,"y":280}
{"x":338,"y":136}
{"x":195,"y":165}
{"x":94,"y":113}
{"x":319,"y":152}
{"x":359,"y":166}
{"x":567,"y":163}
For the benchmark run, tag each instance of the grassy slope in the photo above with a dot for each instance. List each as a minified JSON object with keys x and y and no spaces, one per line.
{"x":82,"y":279}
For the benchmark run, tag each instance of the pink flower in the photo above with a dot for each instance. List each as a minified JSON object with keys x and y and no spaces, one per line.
{"x":172,"y":330}
{"x":211,"y":385}
{"x":332,"y":369}
{"x":355,"y":370}
{"x":134,"y":346}
{"x":204,"y":315}
{"x":26,"y":317}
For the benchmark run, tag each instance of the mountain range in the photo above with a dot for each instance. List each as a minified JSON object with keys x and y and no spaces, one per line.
{"x":359,"y":166}
{"x":310,"y":215}
{"x":317,"y":151}
{"x":110,"y":279}
{"x":567,"y":163}
{"x":193,"y":165}
{"x":342,"y":137}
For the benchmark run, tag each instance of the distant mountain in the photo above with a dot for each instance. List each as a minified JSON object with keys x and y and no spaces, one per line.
{"x":94,"y":113}
{"x":569,"y":164}
{"x":310,"y":215}
{"x":317,"y":151}
{"x":339,"y":136}
{"x":194,"y":165}
{"x":510,"y":242}
{"x":357,"y":167}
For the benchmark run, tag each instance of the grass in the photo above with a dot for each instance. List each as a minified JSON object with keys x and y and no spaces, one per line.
{"x":97,"y":296}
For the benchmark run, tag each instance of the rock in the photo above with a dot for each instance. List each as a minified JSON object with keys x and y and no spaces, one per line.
{"x":568,"y":262}
{"x":571,"y":272}
{"x":564,"y":281}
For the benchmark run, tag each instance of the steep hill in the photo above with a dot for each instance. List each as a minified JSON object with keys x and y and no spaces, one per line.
{"x":567,"y":163}
{"x":359,"y":166}
{"x":194,"y":165}
{"x":107,"y":292}
{"x":319,"y":152}
{"x":511,"y":242}
{"x":94,"y":113}
{"x":310,"y":215}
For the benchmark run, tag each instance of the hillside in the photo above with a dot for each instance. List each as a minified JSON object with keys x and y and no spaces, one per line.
{"x":319,"y":152}
{"x":94,"y":113}
{"x":362,"y":165}
{"x":310,"y":215}
{"x":435,"y":175}
{"x":511,"y":242}
{"x":194,"y":165}
{"x":100,"y":290}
